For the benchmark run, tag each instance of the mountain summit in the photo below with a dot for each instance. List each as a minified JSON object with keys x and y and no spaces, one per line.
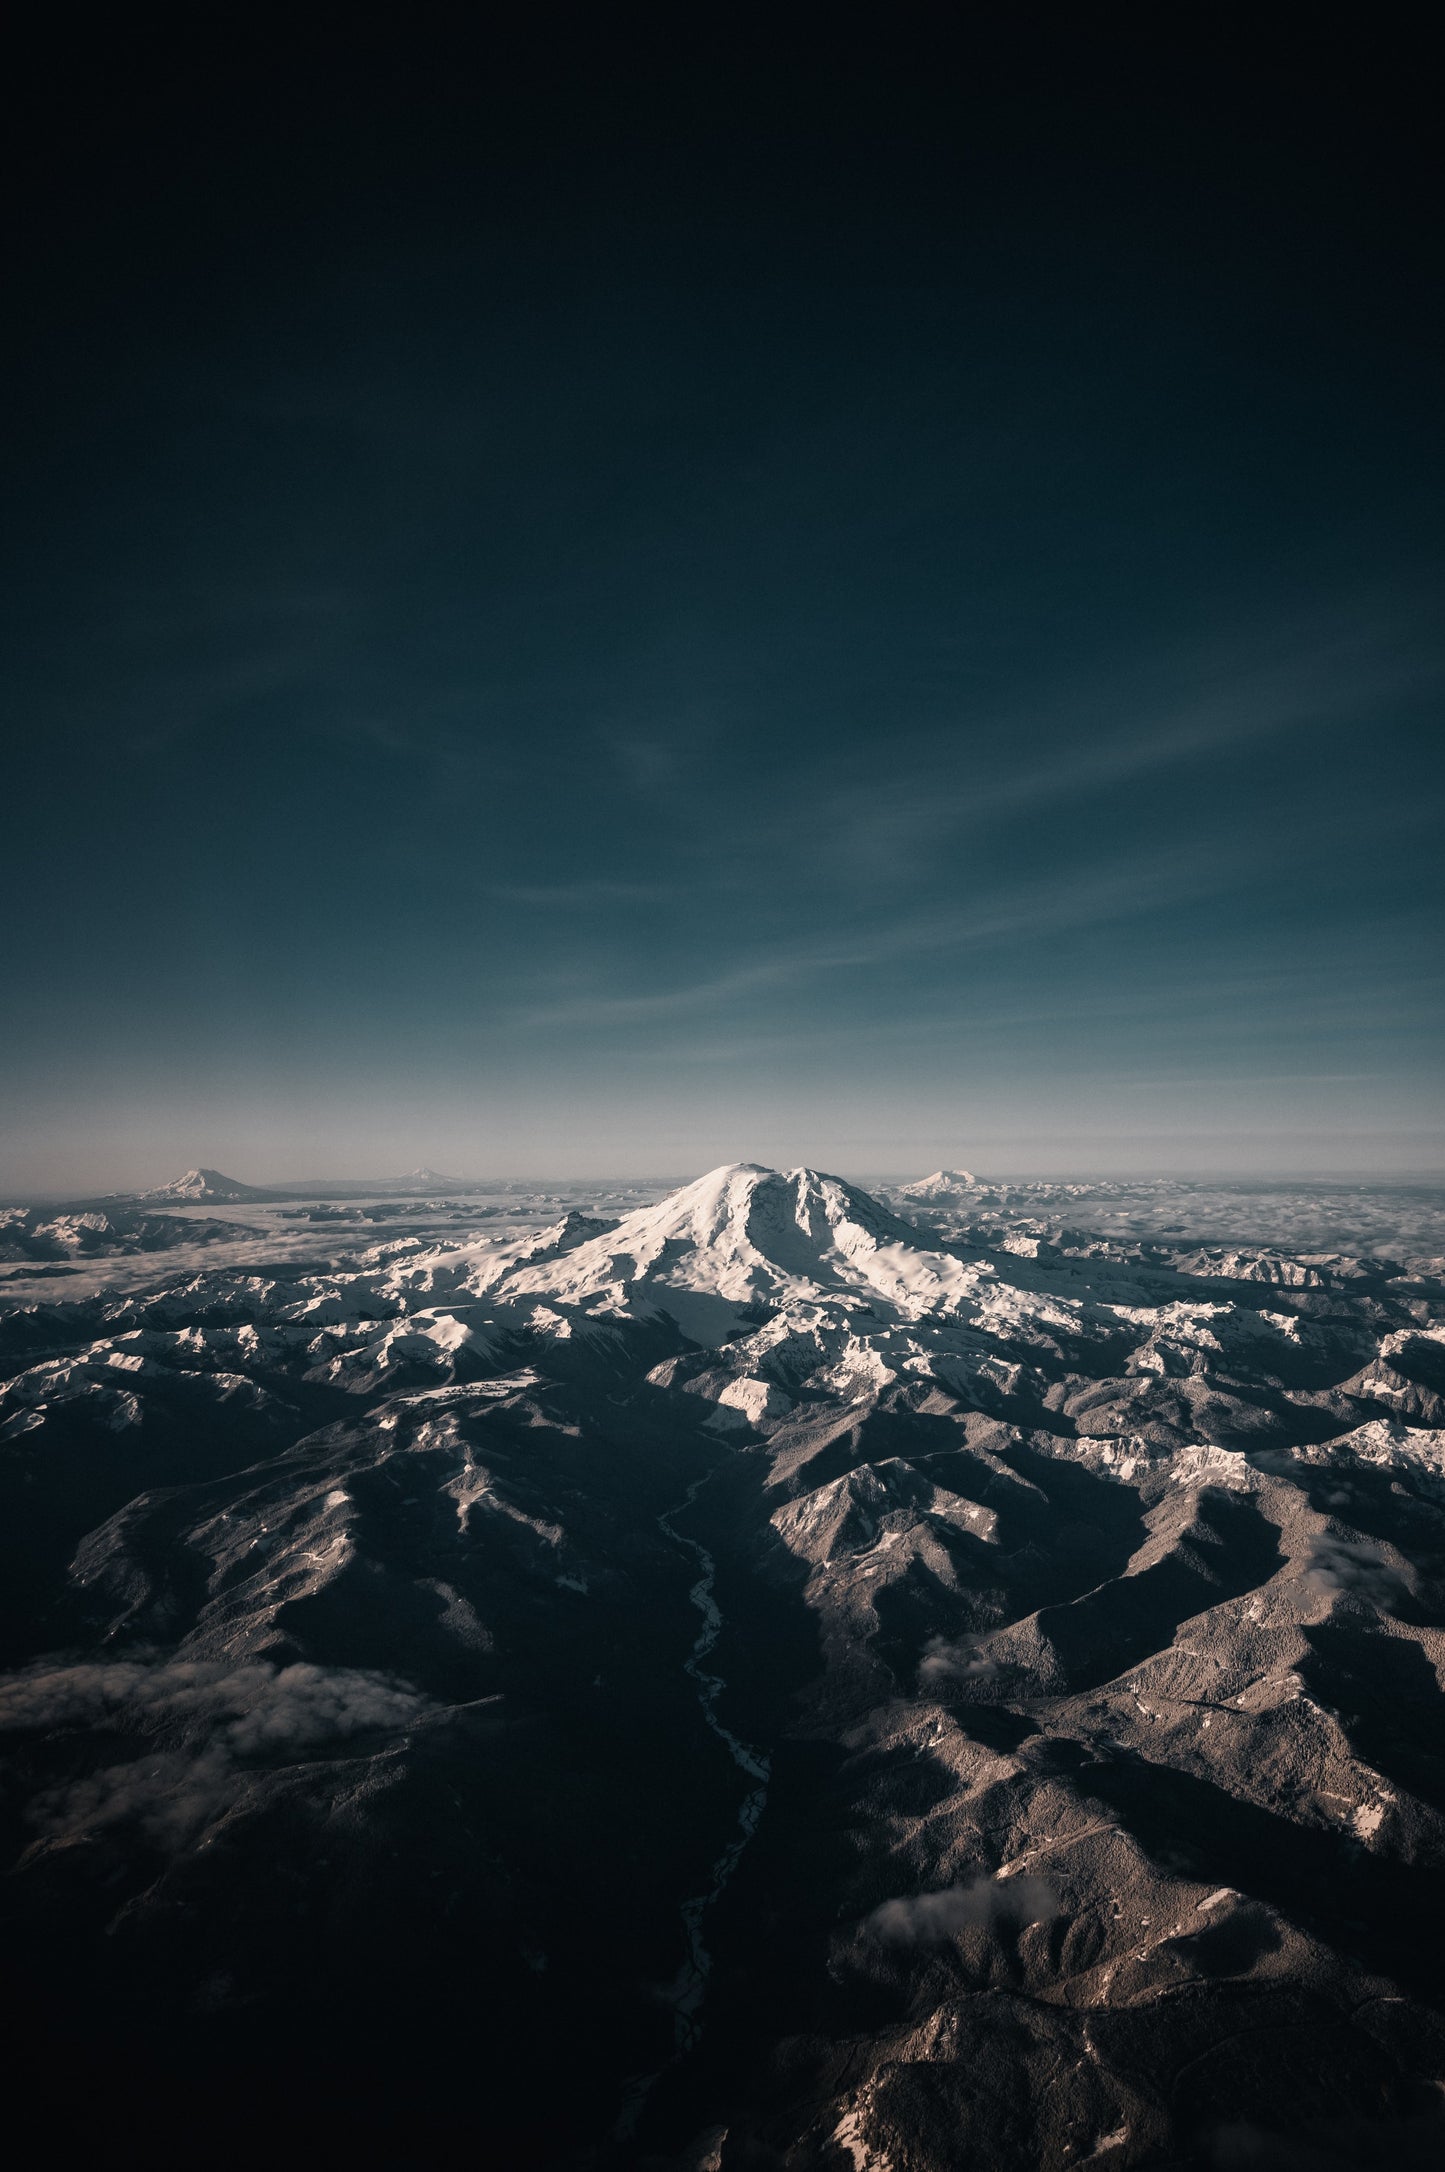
{"x":750,"y":1236}
{"x":421,"y":1179}
{"x":207,"y":1186}
{"x":943,"y":1184}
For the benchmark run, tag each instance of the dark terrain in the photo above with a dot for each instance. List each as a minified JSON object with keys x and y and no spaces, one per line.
{"x":781,"y":1680}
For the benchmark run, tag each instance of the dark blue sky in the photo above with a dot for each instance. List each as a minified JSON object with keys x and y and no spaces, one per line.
{"x":578,"y":609}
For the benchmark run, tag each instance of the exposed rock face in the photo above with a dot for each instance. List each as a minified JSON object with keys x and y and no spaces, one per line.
{"x":754,"y":1684}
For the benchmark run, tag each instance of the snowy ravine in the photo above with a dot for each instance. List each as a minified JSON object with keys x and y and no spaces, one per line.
{"x":690,"y":1986}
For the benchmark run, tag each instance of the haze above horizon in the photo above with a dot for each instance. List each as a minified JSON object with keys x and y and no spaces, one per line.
{"x":354,"y":1184}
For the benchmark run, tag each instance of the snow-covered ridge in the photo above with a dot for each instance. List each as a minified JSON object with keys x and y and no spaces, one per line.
{"x":30,"y":1233}
{"x":780,"y":1286}
{"x":321,"y":1526}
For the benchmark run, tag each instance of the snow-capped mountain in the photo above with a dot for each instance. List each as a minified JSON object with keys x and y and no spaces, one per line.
{"x":944,"y":1184}
{"x":858,"y":1693}
{"x":210,"y":1186}
{"x":740,"y":1242}
{"x":203,"y":1187}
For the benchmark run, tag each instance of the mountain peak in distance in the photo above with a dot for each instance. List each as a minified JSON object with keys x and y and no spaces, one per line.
{"x":207,"y":1185}
{"x":943,"y":1184}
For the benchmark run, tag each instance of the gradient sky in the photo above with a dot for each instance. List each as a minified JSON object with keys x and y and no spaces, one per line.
{"x":577,"y":609}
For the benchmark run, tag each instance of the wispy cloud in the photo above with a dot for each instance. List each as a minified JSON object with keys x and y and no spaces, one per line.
{"x":1035,"y":908}
{"x":236,"y":1715}
{"x":1075,"y":741}
{"x":924,"y":1919}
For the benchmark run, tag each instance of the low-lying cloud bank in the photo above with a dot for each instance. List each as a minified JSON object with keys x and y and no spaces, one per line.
{"x":921,"y":1919}
{"x":230,"y":1717}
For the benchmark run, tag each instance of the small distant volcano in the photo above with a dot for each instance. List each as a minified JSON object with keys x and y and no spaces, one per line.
{"x":211,"y":1187}
{"x":943,"y":1184}
{"x":206,"y":1187}
{"x":420,"y":1180}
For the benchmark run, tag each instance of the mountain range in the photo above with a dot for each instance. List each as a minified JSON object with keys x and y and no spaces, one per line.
{"x":756,"y":1682}
{"x":210,"y":1187}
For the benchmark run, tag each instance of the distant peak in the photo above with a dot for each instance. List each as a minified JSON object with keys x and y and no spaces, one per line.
{"x":204,"y":1184}
{"x":940,"y":1185}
